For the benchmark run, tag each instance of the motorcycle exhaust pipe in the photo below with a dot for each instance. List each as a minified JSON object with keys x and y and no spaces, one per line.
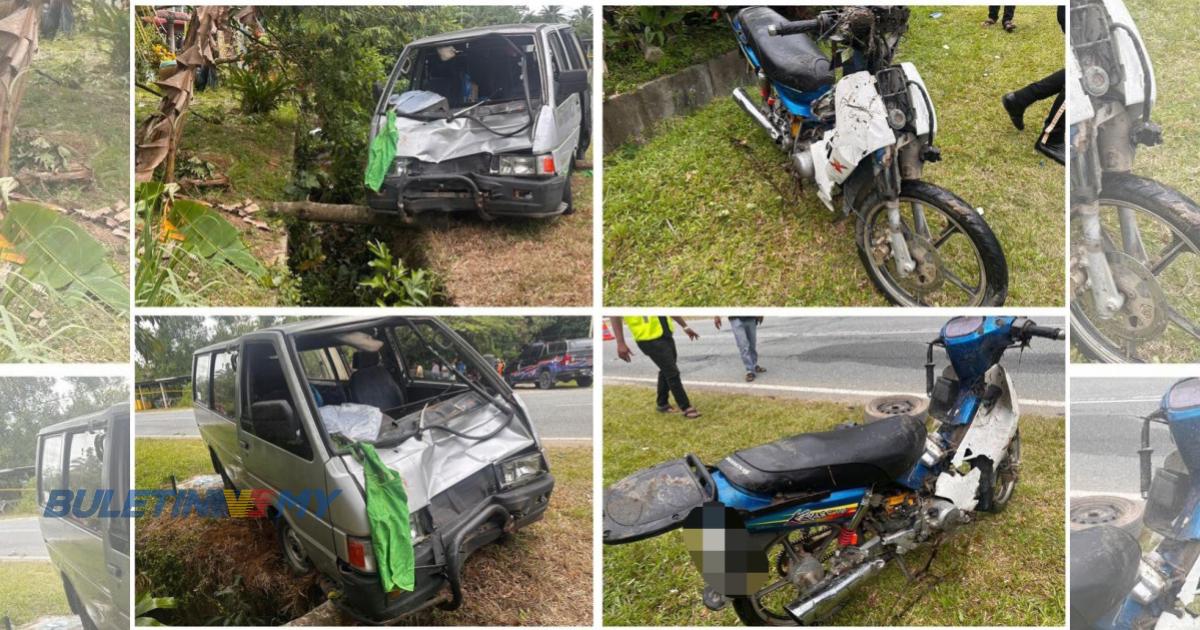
{"x":739,"y":95}
{"x":819,"y":606}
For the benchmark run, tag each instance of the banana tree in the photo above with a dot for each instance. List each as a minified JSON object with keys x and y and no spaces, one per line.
{"x":18,"y":45}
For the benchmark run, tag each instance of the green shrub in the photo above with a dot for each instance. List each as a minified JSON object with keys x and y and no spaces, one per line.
{"x":394,"y":284}
{"x":259,"y":91}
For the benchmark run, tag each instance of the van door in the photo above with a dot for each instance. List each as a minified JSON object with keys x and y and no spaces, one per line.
{"x":117,"y":536}
{"x":81,"y":546}
{"x":214,"y":395}
{"x":568,"y":104}
{"x":279,"y":441}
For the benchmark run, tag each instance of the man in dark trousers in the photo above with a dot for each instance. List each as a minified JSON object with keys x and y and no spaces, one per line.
{"x":994,"y":14}
{"x":1050,"y":142}
{"x":653,"y":338}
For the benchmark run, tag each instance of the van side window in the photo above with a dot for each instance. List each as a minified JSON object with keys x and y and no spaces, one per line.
{"x":269,"y":410}
{"x":50,"y":473}
{"x":85,"y":472}
{"x":568,"y":40}
{"x":224,"y":384}
{"x":201,"y":377}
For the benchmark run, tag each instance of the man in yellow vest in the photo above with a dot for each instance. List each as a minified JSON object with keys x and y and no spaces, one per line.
{"x":653,"y":338}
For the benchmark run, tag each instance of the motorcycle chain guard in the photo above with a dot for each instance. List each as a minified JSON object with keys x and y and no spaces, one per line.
{"x":655,"y":500}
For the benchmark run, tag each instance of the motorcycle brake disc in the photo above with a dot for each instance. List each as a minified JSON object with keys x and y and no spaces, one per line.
{"x":1143,"y":317}
{"x":927,"y":278}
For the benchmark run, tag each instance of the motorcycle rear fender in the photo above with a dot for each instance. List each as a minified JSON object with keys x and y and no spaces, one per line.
{"x":862,"y":128}
{"x":989,"y":435}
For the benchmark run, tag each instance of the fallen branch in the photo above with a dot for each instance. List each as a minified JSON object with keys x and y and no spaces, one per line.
{"x":220,"y":181}
{"x":77,"y":174}
{"x":67,"y":83}
{"x":332,"y":213}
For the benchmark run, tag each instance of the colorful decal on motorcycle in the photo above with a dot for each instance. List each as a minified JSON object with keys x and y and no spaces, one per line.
{"x":822,"y":515}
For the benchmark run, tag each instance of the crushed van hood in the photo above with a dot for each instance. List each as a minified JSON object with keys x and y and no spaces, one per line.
{"x":440,"y":140}
{"x":439,"y":460}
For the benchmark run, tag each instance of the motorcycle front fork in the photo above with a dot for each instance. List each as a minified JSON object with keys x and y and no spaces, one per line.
{"x":904,"y":261}
{"x":1107,"y":298}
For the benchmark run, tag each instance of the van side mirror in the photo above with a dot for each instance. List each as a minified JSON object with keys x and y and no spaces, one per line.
{"x":572,"y":81}
{"x":274,"y":421}
{"x":377,"y":90}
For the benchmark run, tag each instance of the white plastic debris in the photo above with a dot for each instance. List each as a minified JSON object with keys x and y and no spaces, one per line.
{"x":355,"y":422}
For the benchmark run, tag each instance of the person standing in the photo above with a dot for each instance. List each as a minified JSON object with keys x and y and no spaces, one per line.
{"x":1051,"y":142}
{"x":745,"y":333}
{"x":994,"y":14}
{"x":654,"y":339}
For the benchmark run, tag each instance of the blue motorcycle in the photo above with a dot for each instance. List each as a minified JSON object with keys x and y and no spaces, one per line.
{"x":786,"y":530}
{"x":1113,"y":584}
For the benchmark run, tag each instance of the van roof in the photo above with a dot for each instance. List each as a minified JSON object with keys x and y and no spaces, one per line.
{"x":304,"y":326}
{"x":502,"y":29}
{"x":84,"y":420}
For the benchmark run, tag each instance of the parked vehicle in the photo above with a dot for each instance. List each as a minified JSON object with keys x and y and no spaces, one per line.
{"x":788,"y":530}
{"x":1134,"y":241}
{"x":1114,"y":585}
{"x":490,"y":119}
{"x":88,"y":454}
{"x":864,"y":140}
{"x":12,"y":481}
{"x":280,"y":409}
{"x":546,"y":363}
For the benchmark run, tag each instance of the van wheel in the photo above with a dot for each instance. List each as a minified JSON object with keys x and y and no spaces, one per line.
{"x":584,"y":381}
{"x":294,"y":555}
{"x":77,"y":606}
{"x":220,"y":470}
{"x":568,"y":196}
{"x":545,"y":380}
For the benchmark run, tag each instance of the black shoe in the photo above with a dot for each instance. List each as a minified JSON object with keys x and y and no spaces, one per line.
{"x":1052,"y":150}
{"x":1016,"y":113}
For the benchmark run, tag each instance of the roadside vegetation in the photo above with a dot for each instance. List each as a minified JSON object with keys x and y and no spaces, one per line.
{"x":229,"y":571}
{"x":1003,"y":570}
{"x":705,"y":214}
{"x":287,"y":121}
{"x":31,"y":590}
{"x":642,"y":43}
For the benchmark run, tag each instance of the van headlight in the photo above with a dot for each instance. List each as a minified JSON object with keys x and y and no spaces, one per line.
{"x":519,"y":470}
{"x":518,"y":165}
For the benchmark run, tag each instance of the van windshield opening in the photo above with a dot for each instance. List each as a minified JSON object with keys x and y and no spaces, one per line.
{"x":387,"y":383}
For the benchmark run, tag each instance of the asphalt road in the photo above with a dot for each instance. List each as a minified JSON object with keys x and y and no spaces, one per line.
{"x":20,"y":539}
{"x":1106,"y":432}
{"x":841,"y":358}
{"x":562,"y":412}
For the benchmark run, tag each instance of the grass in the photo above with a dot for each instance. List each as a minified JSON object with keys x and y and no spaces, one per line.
{"x":1171,"y":43}
{"x":1003,"y":570}
{"x":541,"y":576}
{"x":721,"y":221}
{"x":31,"y":590}
{"x":91,"y":119}
{"x":626,"y":67}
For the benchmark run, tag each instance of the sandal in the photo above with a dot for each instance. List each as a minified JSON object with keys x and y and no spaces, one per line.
{"x":749,"y":376}
{"x":1009,"y":27}
{"x":989,"y":22}
{"x":760,"y":369}
{"x":691,"y":412}
{"x":667,"y":409}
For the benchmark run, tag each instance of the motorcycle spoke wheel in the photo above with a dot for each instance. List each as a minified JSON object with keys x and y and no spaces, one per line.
{"x":949,"y":266}
{"x":766,"y":607}
{"x":1169,"y":258}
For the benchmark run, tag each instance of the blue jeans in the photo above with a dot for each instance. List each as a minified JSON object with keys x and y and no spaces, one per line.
{"x":745,"y":332}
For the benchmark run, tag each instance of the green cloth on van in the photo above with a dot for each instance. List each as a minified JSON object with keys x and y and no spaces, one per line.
{"x":383,"y":151}
{"x":387,"y":512}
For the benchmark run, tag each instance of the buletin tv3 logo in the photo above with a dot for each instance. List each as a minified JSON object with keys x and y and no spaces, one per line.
{"x":249,"y":503}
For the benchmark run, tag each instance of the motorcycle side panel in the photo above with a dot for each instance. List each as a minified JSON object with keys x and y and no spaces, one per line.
{"x":993,"y":427}
{"x":862,"y":128}
{"x":925,"y":113}
{"x":1135,"y":80}
{"x":961,"y":490}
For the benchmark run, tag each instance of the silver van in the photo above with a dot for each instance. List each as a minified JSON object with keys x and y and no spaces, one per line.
{"x":279,"y":409}
{"x":490,"y":119}
{"x":88,"y":543}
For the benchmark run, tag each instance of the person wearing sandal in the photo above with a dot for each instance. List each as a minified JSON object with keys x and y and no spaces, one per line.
{"x":994,"y":14}
{"x":745,"y":333}
{"x":653,"y":338}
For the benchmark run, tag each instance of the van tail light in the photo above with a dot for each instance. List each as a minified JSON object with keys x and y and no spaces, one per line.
{"x":360,"y":554}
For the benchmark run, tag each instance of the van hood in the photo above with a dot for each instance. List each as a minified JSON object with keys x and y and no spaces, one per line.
{"x":438,"y":460}
{"x":440,"y":140}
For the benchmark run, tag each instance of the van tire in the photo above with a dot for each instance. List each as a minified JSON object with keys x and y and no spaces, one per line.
{"x":568,"y":196}
{"x":220,"y":470}
{"x":77,"y":606}
{"x":584,"y":381}
{"x":545,"y":380}
{"x":291,"y":548}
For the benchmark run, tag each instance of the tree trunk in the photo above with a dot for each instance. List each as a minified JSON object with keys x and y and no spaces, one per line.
{"x":332,"y":213}
{"x":18,"y":45}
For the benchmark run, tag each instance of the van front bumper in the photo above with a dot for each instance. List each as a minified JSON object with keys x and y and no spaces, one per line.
{"x":409,"y":195}
{"x":439,"y":558}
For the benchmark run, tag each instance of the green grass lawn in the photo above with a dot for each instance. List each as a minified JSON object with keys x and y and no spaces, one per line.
{"x":31,"y":590}
{"x":626,"y":67}
{"x":1172,"y":44}
{"x":693,"y":219}
{"x":156,"y":459}
{"x":1003,"y":570}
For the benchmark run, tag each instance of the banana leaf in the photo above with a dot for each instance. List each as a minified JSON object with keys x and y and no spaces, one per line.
{"x":211,"y":236}
{"x":62,"y":256}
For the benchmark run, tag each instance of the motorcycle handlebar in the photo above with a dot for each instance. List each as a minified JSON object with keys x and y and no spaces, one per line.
{"x":1026,"y":330}
{"x":794,"y":27}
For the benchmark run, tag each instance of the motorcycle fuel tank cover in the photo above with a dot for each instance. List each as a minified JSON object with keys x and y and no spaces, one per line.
{"x":730,"y":559}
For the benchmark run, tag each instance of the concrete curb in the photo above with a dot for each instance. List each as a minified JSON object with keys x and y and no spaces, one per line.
{"x":632,"y":116}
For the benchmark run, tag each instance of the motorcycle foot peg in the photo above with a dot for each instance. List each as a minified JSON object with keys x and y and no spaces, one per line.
{"x":713,"y":600}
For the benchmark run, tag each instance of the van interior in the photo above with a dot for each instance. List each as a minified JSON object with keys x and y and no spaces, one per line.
{"x":469,"y":72}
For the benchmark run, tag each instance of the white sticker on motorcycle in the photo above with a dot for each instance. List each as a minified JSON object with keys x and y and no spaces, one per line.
{"x":862,"y":125}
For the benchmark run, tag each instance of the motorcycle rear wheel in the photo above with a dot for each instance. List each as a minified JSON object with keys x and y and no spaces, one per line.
{"x":1168,"y":225}
{"x":960,"y":231}
{"x":750,"y":610}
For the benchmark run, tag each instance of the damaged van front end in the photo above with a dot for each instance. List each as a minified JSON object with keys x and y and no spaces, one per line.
{"x":487,"y":120}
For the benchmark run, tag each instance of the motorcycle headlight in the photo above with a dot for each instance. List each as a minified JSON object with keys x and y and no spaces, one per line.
{"x":519,"y":470}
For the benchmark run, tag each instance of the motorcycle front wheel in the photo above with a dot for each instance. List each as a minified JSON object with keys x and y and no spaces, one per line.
{"x":959,"y":260}
{"x":1154,"y":253}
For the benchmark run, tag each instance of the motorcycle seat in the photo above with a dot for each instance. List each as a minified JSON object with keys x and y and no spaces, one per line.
{"x":793,"y":60}
{"x":852,"y":457}
{"x":1104,"y":568}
